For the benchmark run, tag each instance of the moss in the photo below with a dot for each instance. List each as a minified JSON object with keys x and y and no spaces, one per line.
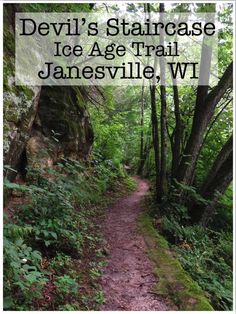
{"x":9,"y":40}
{"x":173,"y":281}
{"x":28,"y":92}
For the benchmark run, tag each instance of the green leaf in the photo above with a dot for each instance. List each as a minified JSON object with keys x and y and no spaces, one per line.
{"x":8,"y":302}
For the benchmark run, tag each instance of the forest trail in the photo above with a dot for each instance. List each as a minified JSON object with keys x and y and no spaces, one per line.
{"x":128,"y":278}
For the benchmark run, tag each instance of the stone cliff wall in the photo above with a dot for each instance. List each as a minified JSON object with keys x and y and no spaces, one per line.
{"x":41,"y":125}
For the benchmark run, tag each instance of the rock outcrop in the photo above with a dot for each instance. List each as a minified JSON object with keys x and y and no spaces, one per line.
{"x":63,"y":117}
{"x":41,"y":125}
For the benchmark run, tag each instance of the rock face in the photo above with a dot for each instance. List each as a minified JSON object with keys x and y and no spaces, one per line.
{"x":17,"y":128}
{"x":63,"y":117}
{"x":20,"y":102}
{"x":41,"y":125}
{"x":56,"y":125}
{"x":61,"y":128}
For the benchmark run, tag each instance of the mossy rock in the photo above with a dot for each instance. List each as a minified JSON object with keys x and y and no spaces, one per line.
{"x":173,"y":281}
{"x":63,"y":114}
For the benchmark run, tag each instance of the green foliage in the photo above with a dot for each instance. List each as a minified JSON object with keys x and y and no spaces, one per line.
{"x":22,"y":271}
{"x":99,"y":298}
{"x":61,"y":262}
{"x":55,"y":219}
{"x":191,"y":191}
{"x":130,"y":183}
{"x":223,"y":219}
{"x":68,"y":307}
{"x":173,"y":282}
{"x":207,"y":257}
{"x":107,"y":171}
{"x":51,"y":215}
{"x":204,"y":253}
{"x":66,"y":289}
{"x":52,"y":222}
{"x":116,"y":125}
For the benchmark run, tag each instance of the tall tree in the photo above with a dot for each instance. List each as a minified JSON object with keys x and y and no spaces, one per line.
{"x":217,"y":180}
{"x":163,"y":179}
{"x":176,"y":145}
{"x":176,"y":136}
{"x":204,"y":110}
{"x":185,"y":171}
{"x":155,"y":133}
{"x":146,"y":150}
{"x":141,"y":132}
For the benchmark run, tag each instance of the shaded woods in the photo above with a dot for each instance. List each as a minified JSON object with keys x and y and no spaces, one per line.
{"x":70,"y":151}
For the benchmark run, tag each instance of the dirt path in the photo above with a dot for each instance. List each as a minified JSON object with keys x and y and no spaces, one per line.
{"x":128,"y":278}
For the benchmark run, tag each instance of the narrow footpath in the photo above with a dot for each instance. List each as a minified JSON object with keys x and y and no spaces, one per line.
{"x":128,"y":278}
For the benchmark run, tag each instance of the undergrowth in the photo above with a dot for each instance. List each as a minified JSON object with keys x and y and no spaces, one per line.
{"x":52,"y":244}
{"x":173,"y":282}
{"x":206,"y":253}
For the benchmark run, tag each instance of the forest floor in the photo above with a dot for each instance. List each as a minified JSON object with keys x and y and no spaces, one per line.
{"x":128,"y":279}
{"x":124,"y":263}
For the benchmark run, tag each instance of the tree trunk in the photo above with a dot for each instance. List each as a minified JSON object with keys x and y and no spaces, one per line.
{"x":204,"y":111}
{"x":218,"y":179}
{"x":141,"y":133}
{"x":155,"y":135}
{"x":155,"y":139}
{"x":215,"y":119}
{"x":221,"y":158}
{"x":163,"y":179}
{"x":186,"y":168}
{"x":146,"y":150}
{"x":176,"y":146}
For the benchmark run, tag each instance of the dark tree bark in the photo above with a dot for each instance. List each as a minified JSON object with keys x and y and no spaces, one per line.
{"x":204,"y":111}
{"x":176,"y":145}
{"x":176,"y":136}
{"x":155,"y":139}
{"x":141,"y":133}
{"x":215,"y":119}
{"x":185,"y":170}
{"x":163,"y":179}
{"x":223,"y":155}
{"x":218,"y":179}
{"x":155,"y":134}
{"x":146,"y":150}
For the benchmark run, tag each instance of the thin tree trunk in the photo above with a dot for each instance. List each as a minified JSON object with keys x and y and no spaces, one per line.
{"x":176,"y":147}
{"x":214,"y":120}
{"x":154,"y":120}
{"x":146,"y":150}
{"x":176,"y":136}
{"x":141,"y":132}
{"x":221,"y":181}
{"x":223,"y":155}
{"x":163,"y":179}
{"x":155,"y":138}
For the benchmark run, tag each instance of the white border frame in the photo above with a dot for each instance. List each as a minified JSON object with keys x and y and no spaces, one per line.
{"x":1,"y":135}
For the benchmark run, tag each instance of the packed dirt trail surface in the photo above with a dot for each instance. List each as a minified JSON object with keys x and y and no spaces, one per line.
{"x":128,"y":278}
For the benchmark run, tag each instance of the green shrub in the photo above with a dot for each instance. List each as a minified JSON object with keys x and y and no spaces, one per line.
{"x":66,"y":289}
{"x":22,"y":274}
{"x":54,"y":223}
{"x":207,"y":256}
